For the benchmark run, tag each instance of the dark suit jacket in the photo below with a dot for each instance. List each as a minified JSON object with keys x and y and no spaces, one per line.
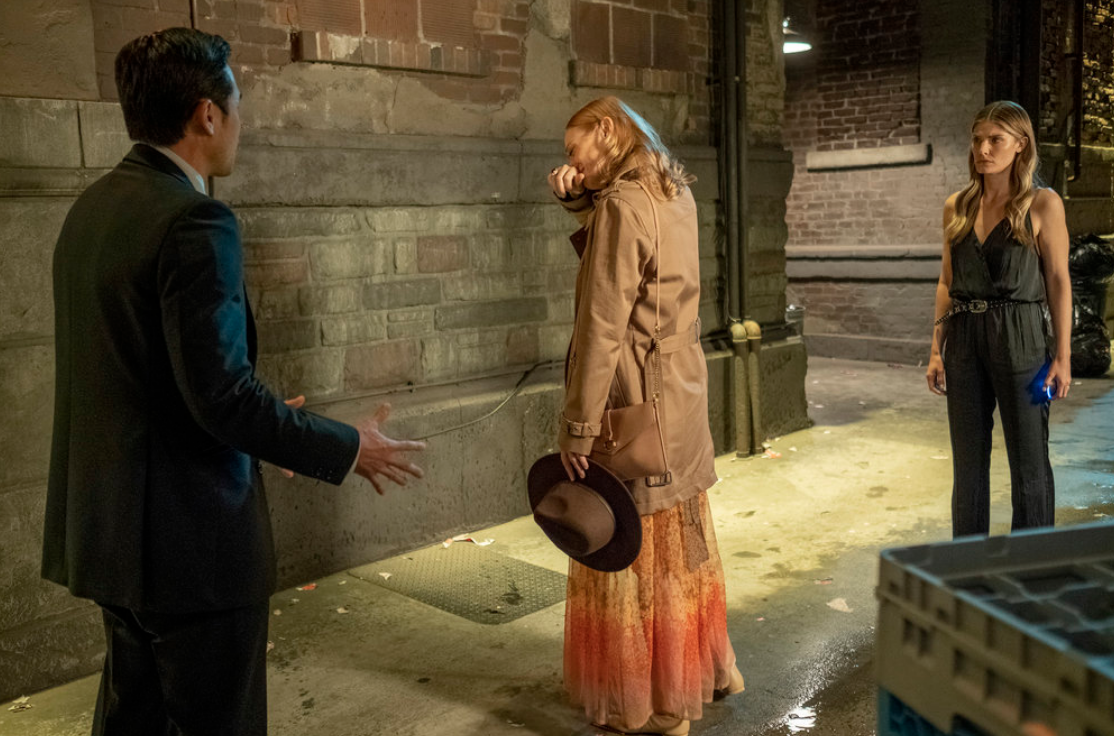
{"x":155,"y":500}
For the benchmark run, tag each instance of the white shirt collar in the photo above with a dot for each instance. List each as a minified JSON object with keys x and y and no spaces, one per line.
{"x":195,"y":178}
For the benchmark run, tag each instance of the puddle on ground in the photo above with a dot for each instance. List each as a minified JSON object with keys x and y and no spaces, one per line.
{"x":1071,"y":515}
{"x":846,"y":707}
{"x":800,"y":719}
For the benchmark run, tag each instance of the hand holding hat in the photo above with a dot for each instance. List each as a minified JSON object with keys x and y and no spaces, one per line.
{"x":591,"y":519}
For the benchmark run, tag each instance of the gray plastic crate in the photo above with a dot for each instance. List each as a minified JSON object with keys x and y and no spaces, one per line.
{"x":1002,"y":630}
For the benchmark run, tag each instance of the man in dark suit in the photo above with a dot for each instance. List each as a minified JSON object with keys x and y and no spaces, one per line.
{"x":155,"y":507}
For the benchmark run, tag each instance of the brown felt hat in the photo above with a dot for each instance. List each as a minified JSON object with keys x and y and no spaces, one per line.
{"x":592,"y":519}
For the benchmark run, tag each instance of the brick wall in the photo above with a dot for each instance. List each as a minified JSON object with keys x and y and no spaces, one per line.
{"x":875,"y":309}
{"x":859,"y":88}
{"x":880,"y":205}
{"x":464,"y":50}
{"x":867,"y":74}
{"x":659,"y":45}
{"x":1098,"y":74}
{"x":880,"y":224}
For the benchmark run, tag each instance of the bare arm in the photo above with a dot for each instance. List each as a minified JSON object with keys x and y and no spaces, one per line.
{"x":1051,"y":231}
{"x":937,"y":382}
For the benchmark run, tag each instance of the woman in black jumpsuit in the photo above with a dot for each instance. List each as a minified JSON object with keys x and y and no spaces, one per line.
{"x":1005,"y":266}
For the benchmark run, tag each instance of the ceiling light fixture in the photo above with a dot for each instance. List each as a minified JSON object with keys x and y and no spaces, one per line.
{"x":792,"y":41}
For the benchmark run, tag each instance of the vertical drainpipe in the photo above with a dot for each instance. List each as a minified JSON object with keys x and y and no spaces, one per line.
{"x":729,"y":160}
{"x":741,"y":150}
{"x":745,"y":334}
{"x":750,"y":326}
{"x":1077,"y":113}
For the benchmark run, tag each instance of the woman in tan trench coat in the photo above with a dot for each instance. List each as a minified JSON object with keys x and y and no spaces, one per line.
{"x":647,"y":646}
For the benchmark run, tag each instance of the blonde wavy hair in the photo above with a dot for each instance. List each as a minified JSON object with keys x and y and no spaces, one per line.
{"x":1012,"y":118}
{"x":636,"y":143}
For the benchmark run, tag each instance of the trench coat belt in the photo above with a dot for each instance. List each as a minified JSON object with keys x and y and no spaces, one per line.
{"x":670,"y":344}
{"x":682,"y":339}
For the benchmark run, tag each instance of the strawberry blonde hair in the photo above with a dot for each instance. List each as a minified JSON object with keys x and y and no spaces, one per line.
{"x":1012,"y":118}
{"x":636,"y":143}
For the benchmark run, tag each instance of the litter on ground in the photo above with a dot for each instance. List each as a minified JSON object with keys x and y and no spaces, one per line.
{"x":467,"y":538}
{"x":20,"y":704}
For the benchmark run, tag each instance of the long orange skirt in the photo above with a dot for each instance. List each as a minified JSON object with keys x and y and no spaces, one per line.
{"x":651,"y":638}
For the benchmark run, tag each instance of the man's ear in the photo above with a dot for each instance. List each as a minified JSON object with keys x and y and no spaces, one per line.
{"x":202,"y":121}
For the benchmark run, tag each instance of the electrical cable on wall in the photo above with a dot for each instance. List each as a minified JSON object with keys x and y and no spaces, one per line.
{"x":514,"y":392}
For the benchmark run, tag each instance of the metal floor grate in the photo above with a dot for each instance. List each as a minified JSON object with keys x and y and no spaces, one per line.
{"x":469,"y":581}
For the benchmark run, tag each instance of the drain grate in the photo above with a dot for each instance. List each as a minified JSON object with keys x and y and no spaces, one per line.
{"x":469,"y":581}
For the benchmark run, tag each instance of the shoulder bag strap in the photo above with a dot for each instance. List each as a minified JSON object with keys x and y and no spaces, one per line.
{"x":657,"y":391}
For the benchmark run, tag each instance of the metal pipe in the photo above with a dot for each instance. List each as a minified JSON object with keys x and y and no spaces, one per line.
{"x":742,"y":151}
{"x":741,"y":389}
{"x":729,"y":161}
{"x":1077,"y":112}
{"x":754,"y":375}
{"x":746,"y":335}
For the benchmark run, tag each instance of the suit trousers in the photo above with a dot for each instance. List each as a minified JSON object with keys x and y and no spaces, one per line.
{"x":998,"y":358}
{"x":196,"y":674}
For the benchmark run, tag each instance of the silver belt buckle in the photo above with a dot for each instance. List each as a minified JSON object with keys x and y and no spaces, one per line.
{"x":978,"y":306}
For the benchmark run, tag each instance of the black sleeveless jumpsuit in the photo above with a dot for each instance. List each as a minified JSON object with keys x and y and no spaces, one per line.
{"x":998,"y":356}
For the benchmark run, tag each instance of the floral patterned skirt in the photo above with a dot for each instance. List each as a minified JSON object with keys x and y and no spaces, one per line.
{"x":651,"y":638}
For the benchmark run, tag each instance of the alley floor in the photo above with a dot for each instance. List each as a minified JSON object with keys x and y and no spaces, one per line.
{"x":799,"y":533}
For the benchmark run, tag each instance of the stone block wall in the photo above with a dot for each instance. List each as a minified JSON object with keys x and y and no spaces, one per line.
{"x":354,"y":297}
{"x":399,"y":242}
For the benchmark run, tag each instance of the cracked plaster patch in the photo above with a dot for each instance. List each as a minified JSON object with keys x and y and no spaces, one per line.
{"x":318,"y":96}
{"x":552,"y":17}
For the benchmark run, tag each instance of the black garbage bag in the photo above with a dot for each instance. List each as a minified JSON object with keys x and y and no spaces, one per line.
{"x":1091,"y":267}
{"x":1091,"y":258}
{"x":1090,"y":354}
{"x":1088,"y":306}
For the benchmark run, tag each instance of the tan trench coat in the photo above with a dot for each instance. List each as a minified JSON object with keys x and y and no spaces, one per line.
{"x":614,"y":328}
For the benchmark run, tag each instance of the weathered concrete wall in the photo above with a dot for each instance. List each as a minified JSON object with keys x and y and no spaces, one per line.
{"x":865,"y":238}
{"x":399,"y":246}
{"x":46,"y":50}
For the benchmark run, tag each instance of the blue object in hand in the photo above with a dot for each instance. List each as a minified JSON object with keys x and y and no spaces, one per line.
{"x":1040,"y":393}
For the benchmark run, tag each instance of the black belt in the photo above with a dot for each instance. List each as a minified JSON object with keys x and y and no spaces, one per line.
{"x":978,"y":306}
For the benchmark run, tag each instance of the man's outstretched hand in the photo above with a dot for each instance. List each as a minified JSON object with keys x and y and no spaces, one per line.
{"x":382,"y":457}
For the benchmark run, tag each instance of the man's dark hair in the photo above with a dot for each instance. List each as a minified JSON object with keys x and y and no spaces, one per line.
{"x":162,"y":76}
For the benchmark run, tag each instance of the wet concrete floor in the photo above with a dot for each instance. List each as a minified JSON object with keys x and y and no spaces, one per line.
{"x":799,"y":536}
